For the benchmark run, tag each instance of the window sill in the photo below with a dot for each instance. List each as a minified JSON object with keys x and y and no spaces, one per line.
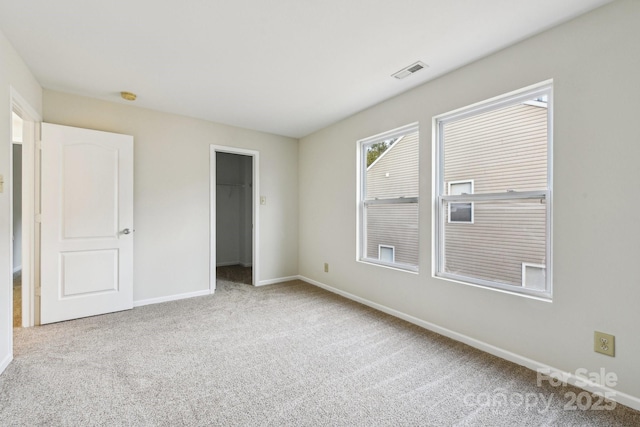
{"x":505,"y":289}
{"x":398,"y":267}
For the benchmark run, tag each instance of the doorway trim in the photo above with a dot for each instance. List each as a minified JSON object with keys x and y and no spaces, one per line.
{"x":30,"y":205}
{"x":255,"y":197}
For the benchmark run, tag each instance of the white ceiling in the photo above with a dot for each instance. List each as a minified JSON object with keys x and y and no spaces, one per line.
{"x":288,"y":67}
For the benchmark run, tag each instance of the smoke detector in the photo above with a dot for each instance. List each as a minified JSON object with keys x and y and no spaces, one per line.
{"x":411,"y":69}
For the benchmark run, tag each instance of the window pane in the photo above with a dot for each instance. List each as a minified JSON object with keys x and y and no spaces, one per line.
{"x":394,"y":173}
{"x":458,"y":188}
{"x":461,"y":212}
{"x":386,"y":254}
{"x":388,"y":205}
{"x":504,"y":235}
{"x":500,"y":150}
{"x":393,"y":225}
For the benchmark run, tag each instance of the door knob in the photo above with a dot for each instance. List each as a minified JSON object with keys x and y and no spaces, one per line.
{"x":126,"y":231}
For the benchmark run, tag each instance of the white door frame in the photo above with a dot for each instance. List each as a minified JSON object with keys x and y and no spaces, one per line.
{"x":30,"y":205}
{"x":255,"y":217}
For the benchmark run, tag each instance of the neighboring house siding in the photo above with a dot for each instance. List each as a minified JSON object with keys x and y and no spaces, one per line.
{"x":503,"y":236}
{"x":490,"y":149}
{"x":394,"y":225}
{"x":500,"y":151}
{"x":400,"y":161}
{"x":397,"y":226}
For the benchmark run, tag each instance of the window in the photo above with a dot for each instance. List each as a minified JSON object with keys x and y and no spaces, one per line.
{"x":493,"y":192}
{"x":388,"y":199}
{"x":386,"y":253}
{"x":533,"y":276}
{"x":460,"y":212}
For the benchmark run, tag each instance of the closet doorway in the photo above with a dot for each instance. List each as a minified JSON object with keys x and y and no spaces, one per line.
{"x":233,"y":215}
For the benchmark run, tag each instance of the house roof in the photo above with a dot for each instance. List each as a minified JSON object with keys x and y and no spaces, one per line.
{"x":397,"y":140}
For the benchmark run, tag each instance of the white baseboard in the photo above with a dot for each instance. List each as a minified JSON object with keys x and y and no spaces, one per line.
{"x":6,"y":361}
{"x":278,"y":280}
{"x":158,"y":300}
{"x":227,"y":263}
{"x":622,"y":398}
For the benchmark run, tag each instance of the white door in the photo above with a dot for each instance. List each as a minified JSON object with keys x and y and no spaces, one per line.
{"x":87,"y":223}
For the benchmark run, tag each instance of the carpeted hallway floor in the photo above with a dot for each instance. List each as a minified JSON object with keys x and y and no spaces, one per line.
{"x":235,"y":273}
{"x":289,"y":354}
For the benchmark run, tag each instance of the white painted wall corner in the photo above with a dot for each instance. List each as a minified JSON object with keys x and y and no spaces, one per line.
{"x":277,"y":280}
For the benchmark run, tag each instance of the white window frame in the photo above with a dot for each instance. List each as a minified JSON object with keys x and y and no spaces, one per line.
{"x":393,"y":251}
{"x":449,"y":184}
{"x":440,"y":197}
{"x":361,"y":170}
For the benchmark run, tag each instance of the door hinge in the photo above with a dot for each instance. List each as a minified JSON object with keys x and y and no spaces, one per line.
{"x":38,"y":291}
{"x":38,"y":217}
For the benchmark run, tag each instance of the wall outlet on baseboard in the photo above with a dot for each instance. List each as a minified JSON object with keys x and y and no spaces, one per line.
{"x":326,"y":267}
{"x":604,"y":343}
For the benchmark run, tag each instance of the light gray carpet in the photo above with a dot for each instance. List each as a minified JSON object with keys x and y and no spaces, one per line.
{"x":283,"y":355}
{"x":235,"y":273}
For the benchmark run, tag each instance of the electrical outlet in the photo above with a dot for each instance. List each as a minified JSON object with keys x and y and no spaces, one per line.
{"x":326,"y":267}
{"x":604,"y":343}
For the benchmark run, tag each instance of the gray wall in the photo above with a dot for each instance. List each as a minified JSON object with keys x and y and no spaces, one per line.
{"x":172,"y":187}
{"x":595,"y":63}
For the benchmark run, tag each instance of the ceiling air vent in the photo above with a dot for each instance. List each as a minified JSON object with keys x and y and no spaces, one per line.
{"x":407,"y":71}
